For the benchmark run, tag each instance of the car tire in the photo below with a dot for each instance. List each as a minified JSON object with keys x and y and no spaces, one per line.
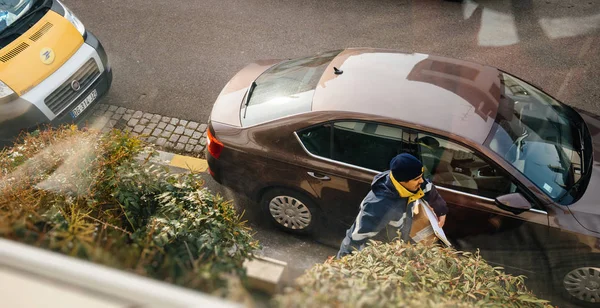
{"x":576,"y":280}
{"x":290,"y":210}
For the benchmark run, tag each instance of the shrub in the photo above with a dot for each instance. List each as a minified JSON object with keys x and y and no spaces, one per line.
{"x":85,"y":195}
{"x":402,"y":275}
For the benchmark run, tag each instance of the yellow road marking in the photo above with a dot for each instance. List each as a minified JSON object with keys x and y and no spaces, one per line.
{"x":191,"y":163}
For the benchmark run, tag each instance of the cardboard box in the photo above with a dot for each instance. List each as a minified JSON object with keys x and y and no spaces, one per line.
{"x":422,"y":231}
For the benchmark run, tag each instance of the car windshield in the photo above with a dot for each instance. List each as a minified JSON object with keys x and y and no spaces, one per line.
{"x":285,"y":89}
{"x":537,"y":135}
{"x":12,"y":10}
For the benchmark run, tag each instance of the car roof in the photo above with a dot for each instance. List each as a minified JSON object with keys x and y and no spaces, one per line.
{"x":447,"y":94}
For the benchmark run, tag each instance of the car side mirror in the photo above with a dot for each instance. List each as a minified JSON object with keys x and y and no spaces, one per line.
{"x":514,"y":203}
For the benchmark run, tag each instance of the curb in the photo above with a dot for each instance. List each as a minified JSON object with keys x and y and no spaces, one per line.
{"x":264,"y":274}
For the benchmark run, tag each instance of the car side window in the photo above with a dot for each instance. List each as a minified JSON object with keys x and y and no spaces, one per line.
{"x":366,"y":144}
{"x":317,"y":140}
{"x":454,"y":166}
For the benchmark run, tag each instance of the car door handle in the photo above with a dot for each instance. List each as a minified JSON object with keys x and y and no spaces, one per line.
{"x":319,"y":176}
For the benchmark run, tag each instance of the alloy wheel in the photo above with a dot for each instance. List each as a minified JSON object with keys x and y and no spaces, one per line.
{"x":290,"y":212}
{"x":584,"y":284}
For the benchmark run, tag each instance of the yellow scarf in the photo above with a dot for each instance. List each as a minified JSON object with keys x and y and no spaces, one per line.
{"x":405,"y":193}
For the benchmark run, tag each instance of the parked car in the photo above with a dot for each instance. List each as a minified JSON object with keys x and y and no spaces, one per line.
{"x":305,"y":137}
{"x":51,"y":68}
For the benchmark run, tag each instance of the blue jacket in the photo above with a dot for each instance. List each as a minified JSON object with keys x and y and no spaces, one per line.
{"x":383,"y":206}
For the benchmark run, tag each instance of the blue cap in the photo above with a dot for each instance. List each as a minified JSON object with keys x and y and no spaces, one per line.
{"x":405,"y":167}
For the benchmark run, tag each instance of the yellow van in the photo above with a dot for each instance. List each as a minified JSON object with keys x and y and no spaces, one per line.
{"x":52,"y":70}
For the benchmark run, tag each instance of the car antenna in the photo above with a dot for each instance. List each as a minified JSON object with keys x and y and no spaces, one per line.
{"x":337,"y":71}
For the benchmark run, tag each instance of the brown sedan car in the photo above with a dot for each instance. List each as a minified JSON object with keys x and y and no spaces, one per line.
{"x":305,"y":137}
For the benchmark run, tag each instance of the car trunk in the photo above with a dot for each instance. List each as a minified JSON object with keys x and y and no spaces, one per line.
{"x":226,"y":109}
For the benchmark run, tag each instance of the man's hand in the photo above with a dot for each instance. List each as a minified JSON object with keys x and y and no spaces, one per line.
{"x":441,"y":220}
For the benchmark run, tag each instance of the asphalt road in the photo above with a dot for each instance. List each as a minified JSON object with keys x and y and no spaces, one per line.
{"x":174,"y":57}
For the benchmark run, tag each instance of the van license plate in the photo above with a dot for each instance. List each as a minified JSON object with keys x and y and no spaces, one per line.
{"x":84,"y":104}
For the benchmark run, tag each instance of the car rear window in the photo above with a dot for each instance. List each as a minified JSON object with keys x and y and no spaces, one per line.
{"x":285,"y":89}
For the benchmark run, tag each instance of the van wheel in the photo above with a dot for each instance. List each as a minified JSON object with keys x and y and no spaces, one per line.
{"x":289,"y":210}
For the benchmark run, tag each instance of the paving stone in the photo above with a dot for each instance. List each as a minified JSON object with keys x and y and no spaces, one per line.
{"x":189,"y":147}
{"x":98,"y":112}
{"x":111,"y":123}
{"x":203,"y":141}
{"x":162,"y":125}
{"x":157,"y":132}
{"x":184,"y":139}
{"x":138,"y":129}
{"x":121,"y":124}
{"x":147,"y":116}
{"x":174,"y":137}
{"x":134,"y":134}
{"x":128,"y":129}
{"x":169,"y":145}
{"x":179,"y":129}
{"x":170,"y":128}
{"x":126,"y":117}
{"x":202,"y":127}
{"x":204,"y":134}
{"x":108,"y":114}
{"x":112,"y":108}
{"x":198,"y":149}
{"x":129,"y":111}
{"x":196,"y":135}
{"x":138,"y":114}
{"x":183,"y":122}
{"x":193,"y":141}
{"x":102,"y":107}
{"x":166,"y":134}
{"x":144,"y":121}
{"x":121,"y":110}
{"x":106,"y":130}
{"x":117,"y":116}
{"x":155,"y":118}
{"x":161,"y":141}
{"x":133,"y":122}
{"x":192,"y":125}
{"x":147,"y":131}
{"x":165,"y":119}
{"x":188,"y":132}
{"x":174,"y":121}
{"x":152,"y":139}
{"x":151,"y":125}
{"x":180,"y":146}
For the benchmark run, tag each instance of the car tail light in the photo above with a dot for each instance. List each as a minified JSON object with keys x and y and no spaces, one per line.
{"x":214,"y":146}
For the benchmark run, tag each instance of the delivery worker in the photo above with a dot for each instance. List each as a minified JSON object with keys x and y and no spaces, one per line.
{"x":392,"y":201}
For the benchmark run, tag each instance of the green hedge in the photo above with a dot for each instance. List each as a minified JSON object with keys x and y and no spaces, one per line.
{"x":85,"y":195}
{"x":400,"y":275}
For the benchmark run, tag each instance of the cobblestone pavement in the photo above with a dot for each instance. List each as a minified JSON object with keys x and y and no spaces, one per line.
{"x":167,"y":133}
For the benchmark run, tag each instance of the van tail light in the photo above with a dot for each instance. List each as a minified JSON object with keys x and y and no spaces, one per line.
{"x":214,"y":146}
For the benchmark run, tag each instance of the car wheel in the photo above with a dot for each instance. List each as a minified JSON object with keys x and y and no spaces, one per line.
{"x":579,"y":282}
{"x":290,"y":210}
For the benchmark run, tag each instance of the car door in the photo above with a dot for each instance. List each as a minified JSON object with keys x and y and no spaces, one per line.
{"x":470,"y":184}
{"x":346,"y":155}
